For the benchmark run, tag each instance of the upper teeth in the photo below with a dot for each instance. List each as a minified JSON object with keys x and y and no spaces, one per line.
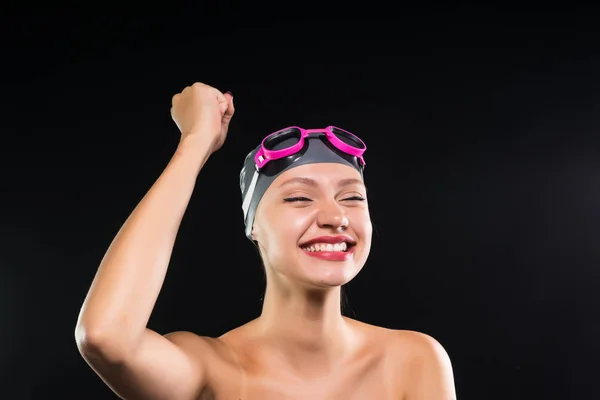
{"x":326,"y":247}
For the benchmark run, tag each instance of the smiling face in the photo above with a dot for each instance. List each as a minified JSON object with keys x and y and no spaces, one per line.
{"x":322,"y":202}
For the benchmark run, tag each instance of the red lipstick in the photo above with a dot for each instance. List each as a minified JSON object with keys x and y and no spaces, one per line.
{"x":331,"y":240}
{"x":331,"y":255}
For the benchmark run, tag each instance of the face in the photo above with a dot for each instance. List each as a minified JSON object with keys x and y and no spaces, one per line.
{"x":313,"y":225}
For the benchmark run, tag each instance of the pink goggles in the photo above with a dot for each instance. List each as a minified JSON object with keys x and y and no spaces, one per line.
{"x":339,"y":138}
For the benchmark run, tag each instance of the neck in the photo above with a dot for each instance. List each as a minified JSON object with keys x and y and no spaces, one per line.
{"x":305,"y":322}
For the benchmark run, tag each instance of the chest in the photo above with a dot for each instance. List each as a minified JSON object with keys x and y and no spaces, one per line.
{"x":360,"y":388}
{"x":367,"y":380}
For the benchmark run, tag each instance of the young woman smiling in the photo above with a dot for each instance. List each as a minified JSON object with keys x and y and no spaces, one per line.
{"x":305,"y":207}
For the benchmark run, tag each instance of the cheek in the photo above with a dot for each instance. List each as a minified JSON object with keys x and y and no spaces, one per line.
{"x":284,"y":233}
{"x":364,"y":229}
{"x":290,"y":226}
{"x":362,"y":225}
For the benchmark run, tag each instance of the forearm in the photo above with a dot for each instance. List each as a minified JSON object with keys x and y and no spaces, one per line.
{"x":128,"y":281}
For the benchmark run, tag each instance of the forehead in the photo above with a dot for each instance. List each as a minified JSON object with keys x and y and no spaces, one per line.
{"x":326,"y":174}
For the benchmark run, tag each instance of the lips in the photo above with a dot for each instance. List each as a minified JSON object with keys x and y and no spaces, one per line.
{"x":331,"y":240}
{"x":331,"y":255}
{"x":347,"y":252}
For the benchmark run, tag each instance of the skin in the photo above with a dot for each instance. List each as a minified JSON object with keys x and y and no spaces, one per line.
{"x":302,"y":289}
{"x":300,"y":347}
{"x":301,"y":312}
{"x":301,"y":331}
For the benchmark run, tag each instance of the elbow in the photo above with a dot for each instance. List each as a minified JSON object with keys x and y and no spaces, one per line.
{"x":97,"y":344}
{"x":87,"y":339}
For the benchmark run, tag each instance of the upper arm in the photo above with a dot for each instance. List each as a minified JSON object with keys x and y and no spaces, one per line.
{"x":162,"y":367}
{"x":431,"y":372}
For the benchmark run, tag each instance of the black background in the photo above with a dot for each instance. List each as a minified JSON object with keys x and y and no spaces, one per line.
{"x":483,"y":171}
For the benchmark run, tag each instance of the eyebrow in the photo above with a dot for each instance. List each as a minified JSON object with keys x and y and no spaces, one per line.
{"x":312,"y":182}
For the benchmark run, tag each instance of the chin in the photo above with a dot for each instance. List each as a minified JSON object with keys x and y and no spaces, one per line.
{"x":327,"y":274}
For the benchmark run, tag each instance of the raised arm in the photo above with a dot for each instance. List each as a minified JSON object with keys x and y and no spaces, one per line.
{"x":111,"y":333}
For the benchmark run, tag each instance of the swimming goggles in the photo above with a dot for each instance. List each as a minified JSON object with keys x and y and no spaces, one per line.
{"x":339,"y":138}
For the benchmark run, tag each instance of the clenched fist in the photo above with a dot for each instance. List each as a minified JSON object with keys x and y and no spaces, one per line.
{"x":203,"y":113}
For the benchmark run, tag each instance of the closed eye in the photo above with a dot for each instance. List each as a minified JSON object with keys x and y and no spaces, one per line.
{"x":296,"y":199}
{"x":305,"y":199}
{"x":354,"y":198}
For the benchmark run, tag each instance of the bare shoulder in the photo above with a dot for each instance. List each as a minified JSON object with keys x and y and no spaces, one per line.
{"x":426,"y":363}
{"x":191,"y":342}
{"x":420,"y":344}
{"x":411,"y":344}
{"x":239,"y":335}
{"x":218,"y":359}
{"x":418,"y":363}
{"x":417,"y":348}
{"x":404,"y":340}
{"x":203,"y":346}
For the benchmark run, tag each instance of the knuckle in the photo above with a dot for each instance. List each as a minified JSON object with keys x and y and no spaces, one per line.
{"x":200,"y":86}
{"x":202,"y":89}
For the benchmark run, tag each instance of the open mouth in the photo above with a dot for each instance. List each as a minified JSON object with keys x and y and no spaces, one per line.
{"x":340,"y":247}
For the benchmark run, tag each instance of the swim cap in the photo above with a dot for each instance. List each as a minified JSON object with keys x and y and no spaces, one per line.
{"x":254,"y":183}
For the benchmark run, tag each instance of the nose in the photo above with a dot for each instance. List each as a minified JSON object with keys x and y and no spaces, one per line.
{"x":332,"y":216}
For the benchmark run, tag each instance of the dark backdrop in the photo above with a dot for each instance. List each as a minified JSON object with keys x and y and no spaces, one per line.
{"x":483,"y":174}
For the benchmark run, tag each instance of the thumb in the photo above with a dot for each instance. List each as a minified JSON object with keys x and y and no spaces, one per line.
{"x":229,"y":110}
{"x":223,"y":100}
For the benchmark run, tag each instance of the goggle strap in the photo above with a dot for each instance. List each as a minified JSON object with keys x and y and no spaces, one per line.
{"x":249,"y":193}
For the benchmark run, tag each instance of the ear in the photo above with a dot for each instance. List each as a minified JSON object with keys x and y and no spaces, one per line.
{"x":254,"y":240}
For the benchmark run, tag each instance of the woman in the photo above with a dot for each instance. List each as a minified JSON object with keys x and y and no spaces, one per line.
{"x":305,"y":207}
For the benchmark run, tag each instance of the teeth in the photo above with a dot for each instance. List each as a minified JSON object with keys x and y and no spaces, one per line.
{"x":326,"y":247}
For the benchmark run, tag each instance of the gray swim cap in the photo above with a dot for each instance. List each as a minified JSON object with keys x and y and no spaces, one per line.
{"x":254,"y":183}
